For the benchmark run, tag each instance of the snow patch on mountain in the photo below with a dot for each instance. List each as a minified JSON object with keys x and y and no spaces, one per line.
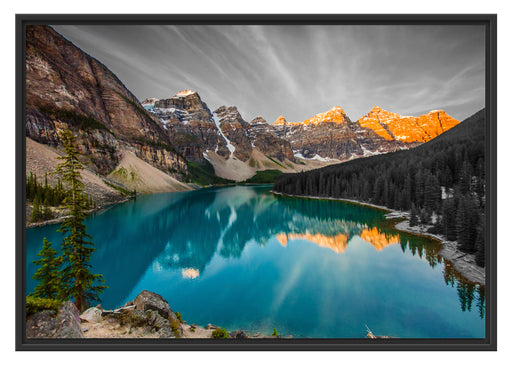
{"x":369,"y":153}
{"x":316,"y":157}
{"x":231,"y":148}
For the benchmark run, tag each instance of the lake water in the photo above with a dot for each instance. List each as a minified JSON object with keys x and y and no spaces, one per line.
{"x":242,"y":258}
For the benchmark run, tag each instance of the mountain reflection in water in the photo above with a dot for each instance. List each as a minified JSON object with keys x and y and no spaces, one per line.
{"x":185,"y":232}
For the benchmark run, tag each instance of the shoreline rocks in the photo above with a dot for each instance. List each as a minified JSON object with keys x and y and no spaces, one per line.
{"x":148,"y":316}
{"x":48,"y":324}
{"x":464,"y":263}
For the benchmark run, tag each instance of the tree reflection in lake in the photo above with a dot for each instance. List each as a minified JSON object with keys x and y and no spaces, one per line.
{"x":249,"y":216}
{"x":184,"y":232}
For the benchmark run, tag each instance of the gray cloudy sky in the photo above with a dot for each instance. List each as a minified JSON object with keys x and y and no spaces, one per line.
{"x":298,"y":71}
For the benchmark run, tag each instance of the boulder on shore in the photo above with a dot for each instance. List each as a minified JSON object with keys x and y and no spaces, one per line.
{"x":147,"y":300}
{"x":92,"y":315}
{"x":238,"y":335}
{"x":48,"y":324}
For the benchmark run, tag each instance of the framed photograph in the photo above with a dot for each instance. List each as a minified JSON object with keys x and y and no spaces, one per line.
{"x":256,"y":182}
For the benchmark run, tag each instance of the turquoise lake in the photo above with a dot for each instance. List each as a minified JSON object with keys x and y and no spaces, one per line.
{"x":242,"y":258}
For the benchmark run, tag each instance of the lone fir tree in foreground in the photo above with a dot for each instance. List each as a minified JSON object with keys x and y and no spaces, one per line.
{"x":77,"y":281}
{"x":48,"y":273}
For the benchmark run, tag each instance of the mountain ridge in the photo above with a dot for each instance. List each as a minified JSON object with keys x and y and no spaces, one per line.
{"x":67,"y":88}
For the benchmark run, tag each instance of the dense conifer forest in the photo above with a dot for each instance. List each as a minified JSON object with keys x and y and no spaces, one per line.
{"x":441,"y":183}
{"x":43,"y":196}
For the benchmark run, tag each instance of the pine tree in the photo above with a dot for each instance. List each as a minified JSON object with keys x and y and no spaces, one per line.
{"x":405,"y":202}
{"x":48,"y":196}
{"x":480,"y":244}
{"x":47,"y":213}
{"x":432,"y":193}
{"x":413,"y":221}
{"x":48,"y":273}
{"x":481,"y":301}
{"x":30,"y":187}
{"x":465,"y":176}
{"x":463,"y":225}
{"x":448,"y":220}
{"x":425,"y":217}
{"x":37,"y":214}
{"x":78,"y":281}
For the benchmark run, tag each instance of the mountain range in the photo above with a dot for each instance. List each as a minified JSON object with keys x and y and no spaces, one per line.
{"x":166,"y":144}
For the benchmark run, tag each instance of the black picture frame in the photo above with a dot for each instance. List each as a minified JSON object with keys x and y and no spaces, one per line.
{"x":489,"y":343}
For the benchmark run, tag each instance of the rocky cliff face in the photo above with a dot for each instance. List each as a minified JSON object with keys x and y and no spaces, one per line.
{"x":330,"y":135}
{"x":235,"y":129}
{"x":263,"y":136}
{"x":392,"y":126}
{"x":333,"y":135}
{"x":189,"y":125}
{"x":195,"y":131}
{"x":66,"y":88}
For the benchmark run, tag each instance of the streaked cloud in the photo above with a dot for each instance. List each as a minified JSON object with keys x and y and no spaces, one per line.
{"x":298,"y":71}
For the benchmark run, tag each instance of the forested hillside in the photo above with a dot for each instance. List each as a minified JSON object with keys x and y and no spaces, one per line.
{"x":442,"y":183}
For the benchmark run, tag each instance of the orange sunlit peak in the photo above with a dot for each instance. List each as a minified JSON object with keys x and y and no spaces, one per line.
{"x":338,"y":109}
{"x":282,"y":238}
{"x":377,"y":239}
{"x":185,"y":93}
{"x":280,"y":120}
{"x":337,"y":243}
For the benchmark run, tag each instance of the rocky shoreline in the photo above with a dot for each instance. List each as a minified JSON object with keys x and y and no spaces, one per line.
{"x":147,"y":316}
{"x":463,"y":262}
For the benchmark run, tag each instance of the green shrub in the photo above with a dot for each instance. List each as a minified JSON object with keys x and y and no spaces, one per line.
{"x":36,"y":304}
{"x":175,"y":327}
{"x":274,"y":161}
{"x":121,"y":190}
{"x":179,"y":316}
{"x":121,"y":171}
{"x":220,"y":333}
{"x":132,"y":319}
{"x":264,"y":177}
{"x":204,"y":174}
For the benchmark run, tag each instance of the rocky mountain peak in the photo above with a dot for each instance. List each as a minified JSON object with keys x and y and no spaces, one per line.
{"x":258,"y":120}
{"x":335,"y":115}
{"x":409,"y":129}
{"x":229,"y":114}
{"x":149,"y":102}
{"x":280,"y":121}
{"x":437,"y":112}
{"x":186,"y":100}
{"x":184,"y":93}
{"x":378,"y":111}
